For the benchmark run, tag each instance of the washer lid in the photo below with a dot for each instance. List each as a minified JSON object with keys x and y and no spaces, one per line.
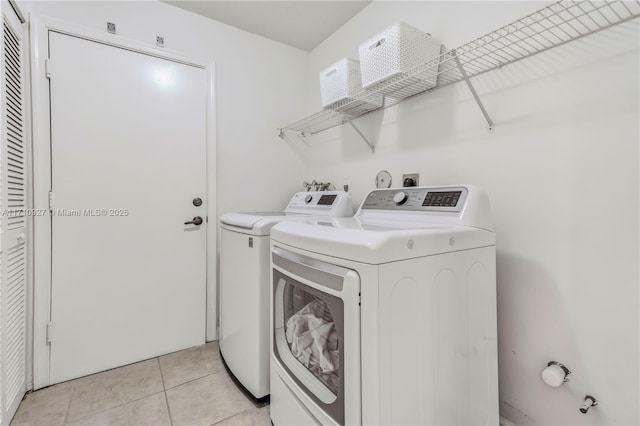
{"x":377,"y":241}
{"x":302,"y":205}
{"x":258,"y":223}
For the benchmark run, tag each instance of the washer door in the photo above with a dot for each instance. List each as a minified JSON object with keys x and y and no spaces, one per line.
{"x":310,"y":299}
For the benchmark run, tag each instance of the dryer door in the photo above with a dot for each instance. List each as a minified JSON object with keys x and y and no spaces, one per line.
{"x":315,"y":313}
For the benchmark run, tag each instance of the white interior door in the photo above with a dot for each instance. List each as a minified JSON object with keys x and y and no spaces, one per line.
{"x":13,"y":175}
{"x":128,"y":158}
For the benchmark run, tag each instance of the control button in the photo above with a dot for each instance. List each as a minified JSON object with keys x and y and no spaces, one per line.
{"x":400,"y":198}
{"x":308,"y":199}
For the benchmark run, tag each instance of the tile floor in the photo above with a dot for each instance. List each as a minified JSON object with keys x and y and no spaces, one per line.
{"x":189,"y":387}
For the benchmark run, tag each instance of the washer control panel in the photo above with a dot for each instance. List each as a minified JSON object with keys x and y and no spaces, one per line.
{"x":445,"y":199}
{"x":330,"y":203}
{"x":313,"y":199}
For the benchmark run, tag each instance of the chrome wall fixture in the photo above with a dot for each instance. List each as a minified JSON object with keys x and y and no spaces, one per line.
{"x":589,"y":402}
{"x":555,"y":374}
{"x":317,"y":186}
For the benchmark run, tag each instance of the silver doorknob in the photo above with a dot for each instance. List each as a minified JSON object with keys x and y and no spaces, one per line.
{"x":196,"y":221}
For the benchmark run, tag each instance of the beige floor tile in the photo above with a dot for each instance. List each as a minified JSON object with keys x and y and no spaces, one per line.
{"x":151,"y":410}
{"x":113,"y":388}
{"x":251,"y":417}
{"x":45,"y":407}
{"x":185,"y":366}
{"x":206,"y":401}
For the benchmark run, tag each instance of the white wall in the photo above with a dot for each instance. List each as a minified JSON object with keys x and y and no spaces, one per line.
{"x":562,"y":173}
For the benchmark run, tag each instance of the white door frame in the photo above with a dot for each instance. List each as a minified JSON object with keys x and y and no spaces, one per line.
{"x":41,"y":149}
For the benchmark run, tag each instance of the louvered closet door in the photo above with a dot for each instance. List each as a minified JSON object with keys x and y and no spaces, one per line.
{"x":13,"y":220}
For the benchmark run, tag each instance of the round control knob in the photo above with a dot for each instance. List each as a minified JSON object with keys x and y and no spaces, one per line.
{"x":400,"y":198}
{"x":308,"y":199}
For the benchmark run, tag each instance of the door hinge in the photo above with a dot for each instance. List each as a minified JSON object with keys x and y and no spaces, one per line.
{"x":47,"y":67}
{"x":50,"y":331}
{"x":50,"y":201}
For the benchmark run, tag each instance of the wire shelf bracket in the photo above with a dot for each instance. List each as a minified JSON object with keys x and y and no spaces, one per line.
{"x":283,"y":135}
{"x":466,"y":79}
{"x":364,"y":138}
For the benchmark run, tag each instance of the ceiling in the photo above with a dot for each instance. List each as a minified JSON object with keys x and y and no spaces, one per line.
{"x":303,"y":24}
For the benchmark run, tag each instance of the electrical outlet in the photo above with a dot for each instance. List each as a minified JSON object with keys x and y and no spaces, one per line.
{"x":111,"y":27}
{"x":412,"y":179}
{"x":159,"y":41}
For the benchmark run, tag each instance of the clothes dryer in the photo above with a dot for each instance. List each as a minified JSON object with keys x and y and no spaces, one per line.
{"x":388,"y":317}
{"x":244,"y":282}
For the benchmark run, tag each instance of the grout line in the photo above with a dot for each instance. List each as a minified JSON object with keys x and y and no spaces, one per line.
{"x":117,"y":406}
{"x":161,"y":375}
{"x":231,"y":416}
{"x":236,"y":414}
{"x":193,"y":380}
{"x":215,"y":371}
{"x":73,"y":393}
{"x":166,"y":398}
{"x":164,"y":390}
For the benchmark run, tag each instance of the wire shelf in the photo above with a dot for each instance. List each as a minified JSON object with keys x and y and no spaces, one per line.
{"x":552,"y":26}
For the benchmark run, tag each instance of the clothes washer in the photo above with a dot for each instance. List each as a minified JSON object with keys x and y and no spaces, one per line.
{"x":388,"y":317}
{"x":244,"y":282}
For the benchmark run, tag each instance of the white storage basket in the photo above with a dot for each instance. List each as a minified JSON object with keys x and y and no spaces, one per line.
{"x":393,"y":52}
{"x":339,"y":83}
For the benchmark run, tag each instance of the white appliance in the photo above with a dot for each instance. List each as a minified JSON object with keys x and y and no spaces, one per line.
{"x":388,"y":317}
{"x":244,"y":282}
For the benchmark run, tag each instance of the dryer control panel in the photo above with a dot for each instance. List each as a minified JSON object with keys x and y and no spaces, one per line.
{"x":444,"y":199}
{"x":465,"y":205}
